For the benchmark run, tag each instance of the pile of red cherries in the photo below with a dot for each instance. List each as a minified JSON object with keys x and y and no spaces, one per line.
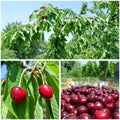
{"x":90,"y":102}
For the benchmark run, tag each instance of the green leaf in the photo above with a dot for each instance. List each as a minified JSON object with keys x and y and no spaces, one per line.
{"x":52,"y":67}
{"x":49,"y":109}
{"x":5,"y":112}
{"x":39,"y":109}
{"x":14,"y":36}
{"x":55,"y":108}
{"x":32,"y":16}
{"x":21,"y":34}
{"x":33,"y":93}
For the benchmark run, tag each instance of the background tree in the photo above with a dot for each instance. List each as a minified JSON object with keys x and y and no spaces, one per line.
{"x":69,"y":65}
{"x":22,"y":40}
{"x":103,"y":68}
{"x":91,"y":70}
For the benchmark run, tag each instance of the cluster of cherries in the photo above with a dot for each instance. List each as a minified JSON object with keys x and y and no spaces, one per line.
{"x":90,"y":102}
{"x":18,"y":94}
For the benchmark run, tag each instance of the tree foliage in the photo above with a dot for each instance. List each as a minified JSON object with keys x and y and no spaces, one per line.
{"x":8,"y":54}
{"x":94,"y":35}
{"x":101,"y":69}
{"x":69,"y":65}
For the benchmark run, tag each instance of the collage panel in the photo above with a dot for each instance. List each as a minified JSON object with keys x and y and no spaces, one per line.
{"x":29,"y":90}
{"x":60,"y":30}
{"x":90,"y":90}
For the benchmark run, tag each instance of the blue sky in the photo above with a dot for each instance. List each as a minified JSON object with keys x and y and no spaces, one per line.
{"x":4,"y":69}
{"x":12,"y":11}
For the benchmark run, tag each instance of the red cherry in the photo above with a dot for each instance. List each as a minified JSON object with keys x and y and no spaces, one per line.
{"x":63,"y":104}
{"x":85,"y":116}
{"x":46,"y":91}
{"x":110,"y":106}
{"x":74,"y":100}
{"x":82,"y":109}
{"x":98,"y":105}
{"x":109,"y":99}
{"x":107,"y":110}
{"x":73,"y":112}
{"x":91,"y":106}
{"x":103,"y":101}
{"x":83,"y":100}
{"x":70,"y":108}
{"x":63,"y":114}
{"x":67,"y":99}
{"x":116,"y":115}
{"x":100,"y":114}
{"x":18,"y":94}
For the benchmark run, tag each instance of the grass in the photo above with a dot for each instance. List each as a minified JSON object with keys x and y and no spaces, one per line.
{"x":81,"y":79}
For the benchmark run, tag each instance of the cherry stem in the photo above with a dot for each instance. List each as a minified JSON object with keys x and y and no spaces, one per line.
{"x":67,"y":115}
{"x":36,"y":62}
{"x":42,"y":68}
{"x":22,"y":76}
{"x":42,"y":78}
{"x":36,"y":80}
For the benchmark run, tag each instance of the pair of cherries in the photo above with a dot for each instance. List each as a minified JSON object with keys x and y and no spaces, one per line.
{"x":18,"y":94}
